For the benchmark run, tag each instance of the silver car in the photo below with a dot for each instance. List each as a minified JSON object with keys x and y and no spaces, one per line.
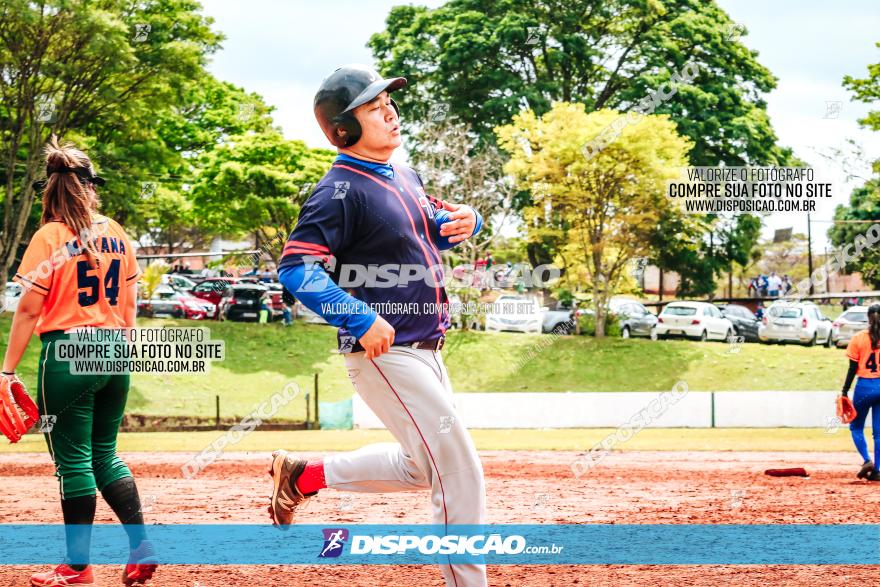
{"x":634,"y":318}
{"x":854,"y":320}
{"x":795,"y":322}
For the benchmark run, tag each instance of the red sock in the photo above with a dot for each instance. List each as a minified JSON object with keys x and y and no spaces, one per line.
{"x":312,"y":478}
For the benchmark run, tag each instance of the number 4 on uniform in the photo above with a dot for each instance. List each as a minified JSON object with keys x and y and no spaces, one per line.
{"x":86,"y":280}
{"x":871,"y":363}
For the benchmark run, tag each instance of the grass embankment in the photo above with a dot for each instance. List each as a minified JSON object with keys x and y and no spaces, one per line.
{"x":263,"y":359}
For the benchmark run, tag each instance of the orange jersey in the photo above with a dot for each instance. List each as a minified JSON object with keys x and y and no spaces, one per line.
{"x":859,"y":349}
{"x":77,"y":294}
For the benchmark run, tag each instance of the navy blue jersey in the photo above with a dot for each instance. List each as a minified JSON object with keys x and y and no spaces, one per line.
{"x":357,"y":221}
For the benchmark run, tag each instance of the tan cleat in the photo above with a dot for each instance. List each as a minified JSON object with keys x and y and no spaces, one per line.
{"x":285,"y":470}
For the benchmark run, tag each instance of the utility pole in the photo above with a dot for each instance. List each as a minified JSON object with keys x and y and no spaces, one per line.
{"x":827,"y":277}
{"x":809,"y":254}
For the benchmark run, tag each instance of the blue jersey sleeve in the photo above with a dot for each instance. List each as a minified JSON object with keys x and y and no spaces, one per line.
{"x":313,"y":287}
{"x":440,"y":218}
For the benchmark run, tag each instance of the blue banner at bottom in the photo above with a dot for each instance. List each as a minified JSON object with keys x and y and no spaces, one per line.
{"x":514,"y":544}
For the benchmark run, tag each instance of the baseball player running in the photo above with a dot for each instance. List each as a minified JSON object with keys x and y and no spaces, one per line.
{"x":863,"y":352}
{"x":367,"y":214}
{"x":79,"y":270}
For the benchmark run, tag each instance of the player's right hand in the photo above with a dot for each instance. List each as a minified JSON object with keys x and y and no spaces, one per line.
{"x":378,"y":339}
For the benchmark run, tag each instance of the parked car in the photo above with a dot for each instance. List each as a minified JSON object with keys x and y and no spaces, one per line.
{"x":699,"y":320}
{"x":745,"y":323}
{"x":848,"y":323}
{"x":214,"y":288}
{"x":799,"y":322}
{"x":12,"y":295}
{"x":178,"y":281}
{"x":169,"y":303}
{"x":558,"y":320}
{"x":516,"y":314}
{"x":634,"y":318}
{"x":243,"y":301}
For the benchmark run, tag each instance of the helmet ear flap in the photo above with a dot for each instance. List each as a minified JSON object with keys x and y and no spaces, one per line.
{"x":351,"y":130}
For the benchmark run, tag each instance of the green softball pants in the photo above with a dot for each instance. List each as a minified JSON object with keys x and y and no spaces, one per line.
{"x":80,"y":419}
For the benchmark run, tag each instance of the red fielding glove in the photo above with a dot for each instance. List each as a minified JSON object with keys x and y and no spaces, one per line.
{"x":846,"y":411}
{"x":18,"y":412}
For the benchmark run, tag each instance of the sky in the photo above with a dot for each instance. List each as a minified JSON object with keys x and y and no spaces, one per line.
{"x":282,"y":49}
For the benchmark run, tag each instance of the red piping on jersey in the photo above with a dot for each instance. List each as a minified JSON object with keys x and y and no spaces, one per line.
{"x":287,"y":251}
{"x":412,"y":223}
{"x":430,"y":455}
{"x":313,"y":256}
{"x":424,"y":218}
{"x":438,"y":202}
{"x":406,"y":188}
{"x":303,"y":244}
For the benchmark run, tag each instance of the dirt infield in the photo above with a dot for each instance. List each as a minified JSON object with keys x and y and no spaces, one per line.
{"x":522,"y":487}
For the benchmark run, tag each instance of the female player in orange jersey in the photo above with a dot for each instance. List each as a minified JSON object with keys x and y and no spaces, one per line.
{"x":79,"y":270}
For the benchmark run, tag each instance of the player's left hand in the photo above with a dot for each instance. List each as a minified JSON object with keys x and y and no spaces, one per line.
{"x":846,"y":411}
{"x":18,"y":412}
{"x":463,"y":221}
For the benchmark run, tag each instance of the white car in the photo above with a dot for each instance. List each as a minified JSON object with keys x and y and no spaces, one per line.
{"x":699,"y":320}
{"x":13,"y":294}
{"x":795,"y":322}
{"x":515,"y":313}
{"x":178,"y":282}
{"x":854,"y":320}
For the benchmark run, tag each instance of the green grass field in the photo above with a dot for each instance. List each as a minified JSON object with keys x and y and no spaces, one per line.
{"x":662,"y":439}
{"x":262,"y":359}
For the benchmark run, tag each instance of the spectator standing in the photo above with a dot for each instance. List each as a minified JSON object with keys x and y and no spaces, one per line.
{"x":773,"y":284}
{"x":264,"y":309}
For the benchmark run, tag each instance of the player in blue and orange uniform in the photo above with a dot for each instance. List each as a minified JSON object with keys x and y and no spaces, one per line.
{"x":863,"y":352}
{"x":372,"y":220}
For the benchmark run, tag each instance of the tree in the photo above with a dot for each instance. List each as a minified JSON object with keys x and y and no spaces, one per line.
{"x":256,"y":183}
{"x":863,"y":208}
{"x":168,"y":146}
{"x":167,"y":218}
{"x":86,"y":70}
{"x":610,"y":203}
{"x":480,"y":62}
{"x":786,"y":258}
{"x":456,"y":170}
{"x":867,"y":90}
{"x":864,"y":204}
{"x":484,"y":61}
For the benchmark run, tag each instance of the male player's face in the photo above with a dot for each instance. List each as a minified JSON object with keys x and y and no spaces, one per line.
{"x":380,"y":128}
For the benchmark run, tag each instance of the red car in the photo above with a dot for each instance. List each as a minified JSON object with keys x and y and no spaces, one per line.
{"x":169,"y":303}
{"x":214,"y":288}
{"x":276,"y":298}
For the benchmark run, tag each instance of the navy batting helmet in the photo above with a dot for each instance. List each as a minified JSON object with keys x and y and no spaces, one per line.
{"x":344,"y":90}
